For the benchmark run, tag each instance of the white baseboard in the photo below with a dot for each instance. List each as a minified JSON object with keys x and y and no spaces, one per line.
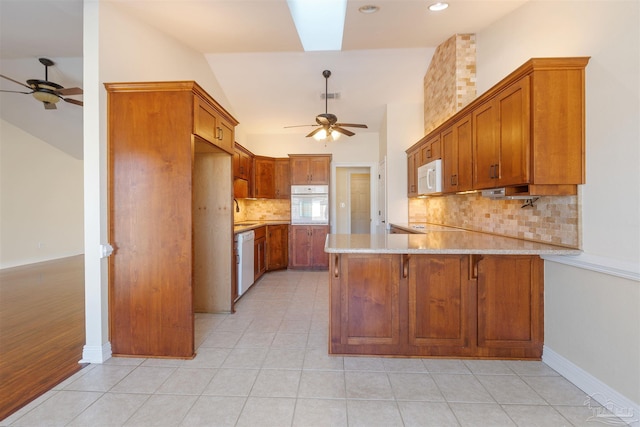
{"x":95,"y":353}
{"x":616,"y":403}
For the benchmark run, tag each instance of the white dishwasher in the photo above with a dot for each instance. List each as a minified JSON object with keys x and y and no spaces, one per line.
{"x":245,"y":260}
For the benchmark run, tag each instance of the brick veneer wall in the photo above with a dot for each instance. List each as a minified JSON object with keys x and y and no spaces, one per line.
{"x":450,"y":81}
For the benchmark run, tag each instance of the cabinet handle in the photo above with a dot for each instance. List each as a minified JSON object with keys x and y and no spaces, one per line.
{"x":336,"y":265}
{"x":405,"y":266}
{"x":311,"y":179}
{"x":491,"y":172}
{"x":473,"y":266}
{"x":496,"y":170}
{"x":219,"y":133}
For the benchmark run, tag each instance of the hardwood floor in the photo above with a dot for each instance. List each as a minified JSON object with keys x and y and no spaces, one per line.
{"x":41,"y":328}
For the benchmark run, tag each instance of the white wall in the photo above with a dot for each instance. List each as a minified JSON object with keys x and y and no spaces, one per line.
{"x":405,"y":127}
{"x":41,"y":213}
{"x":591,"y":318}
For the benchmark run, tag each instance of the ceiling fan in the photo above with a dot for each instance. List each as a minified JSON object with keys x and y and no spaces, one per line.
{"x":327,"y":124}
{"x":47,"y":92}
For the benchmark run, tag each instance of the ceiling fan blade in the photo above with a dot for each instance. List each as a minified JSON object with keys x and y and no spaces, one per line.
{"x":342,"y":131}
{"x":313,"y":132}
{"x":49,"y":106}
{"x":352,"y":125}
{"x":298,"y":126}
{"x":15,"y":91}
{"x":69,"y":91}
{"x":73,"y":101}
{"x":15,"y":81}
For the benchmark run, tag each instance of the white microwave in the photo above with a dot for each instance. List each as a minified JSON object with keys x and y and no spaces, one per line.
{"x":430,"y":178}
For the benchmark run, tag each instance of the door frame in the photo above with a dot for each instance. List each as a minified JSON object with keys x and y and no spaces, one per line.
{"x":373,"y":190}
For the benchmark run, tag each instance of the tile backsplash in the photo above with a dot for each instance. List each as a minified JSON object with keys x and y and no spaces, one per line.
{"x":263,"y":210}
{"x":550,"y":220}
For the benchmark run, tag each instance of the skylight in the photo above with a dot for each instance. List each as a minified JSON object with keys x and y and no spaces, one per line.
{"x":320,"y":23}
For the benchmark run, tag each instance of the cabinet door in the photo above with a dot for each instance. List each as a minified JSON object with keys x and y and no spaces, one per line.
{"x":277,"y":247}
{"x":319,"y":170}
{"x":310,"y":169}
{"x":265,"y":178}
{"x":430,"y":150}
{"x":457,"y":155}
{"x":370,"y":303}
{"x":449,"y":162}
{"x":299,"y":170}
{"x":510,"y":306}
{"x":513,"y":112}
{"x":300,"y":246}
{"x":260,"y":252}
{"x":241,"y":163}
{"x":485,"y":146}
{"x":412,"y":172}
{"x":283,"y":179}
{"x":439,"y":304}
{"x":319,"y":258}
{"x":464,"y":145}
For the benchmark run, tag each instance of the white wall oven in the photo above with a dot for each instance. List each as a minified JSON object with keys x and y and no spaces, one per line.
{"x":309,"y":204}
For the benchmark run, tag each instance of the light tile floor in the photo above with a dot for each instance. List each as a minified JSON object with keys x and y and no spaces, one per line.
{"x":267,"y":365}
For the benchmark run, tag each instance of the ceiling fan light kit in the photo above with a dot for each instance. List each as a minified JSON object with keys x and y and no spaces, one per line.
{"x":327,"y":127}
{"x":47,"y":92}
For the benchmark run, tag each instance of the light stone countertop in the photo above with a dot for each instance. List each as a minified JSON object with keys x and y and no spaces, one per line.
{"x":439,"y":242}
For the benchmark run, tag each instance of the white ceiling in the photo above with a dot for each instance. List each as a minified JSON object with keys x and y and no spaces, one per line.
{"x":279,"y":83}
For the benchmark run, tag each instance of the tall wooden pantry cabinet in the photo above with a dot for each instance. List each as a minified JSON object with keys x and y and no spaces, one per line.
{"x":170,"y":149}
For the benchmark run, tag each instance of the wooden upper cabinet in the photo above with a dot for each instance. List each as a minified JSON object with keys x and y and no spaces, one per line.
{"x":310,"y":169}
{"x":212,"y":122}
{"x":527,"y":132}
{"x":501,"y":138}
{"x":430,"y":150}
{"x":457,"y":157}
{"x":264,"y":170}
{"x":283,"y":178}
{"x":413,"y":162}
{"x":242,"y":162}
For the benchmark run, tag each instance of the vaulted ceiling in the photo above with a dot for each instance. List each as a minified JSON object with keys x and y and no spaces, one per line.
{"x":279,"y":84}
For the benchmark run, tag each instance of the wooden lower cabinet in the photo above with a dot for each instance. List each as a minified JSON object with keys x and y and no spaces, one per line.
{"x":436,"y":305}
{"x":260,"y":252}
{"x":510,"y":306}
{"x":440,"y":305}
{"x":369,"y":316}
{"x":307,"y":247}
{"x":277,"y":247}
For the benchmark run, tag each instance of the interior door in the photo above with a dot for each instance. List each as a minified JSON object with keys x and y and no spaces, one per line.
{"x":360,"y":203}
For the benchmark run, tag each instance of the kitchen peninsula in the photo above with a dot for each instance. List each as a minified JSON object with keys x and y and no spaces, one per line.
{"x":444,"y":292}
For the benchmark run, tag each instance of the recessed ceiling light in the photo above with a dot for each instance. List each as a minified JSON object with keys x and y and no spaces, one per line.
{"x":438,"y":6}
{"x":369,"y":8}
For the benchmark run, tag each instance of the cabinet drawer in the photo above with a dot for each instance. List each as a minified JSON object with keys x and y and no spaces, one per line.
{"x":260,"y":232}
